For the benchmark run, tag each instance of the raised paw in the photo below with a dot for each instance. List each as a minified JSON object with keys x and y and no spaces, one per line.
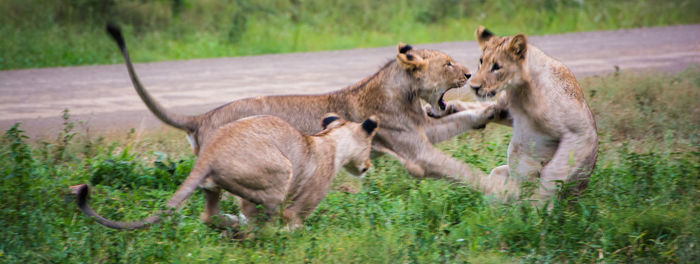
{"x":429,"y":111}
{"x":481,"y":113}
{"x":451,"y":108}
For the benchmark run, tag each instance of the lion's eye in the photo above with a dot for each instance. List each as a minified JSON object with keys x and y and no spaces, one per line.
{"x":495,"y":67}
{"x":481,"y":60}
{"x":449,"y":63}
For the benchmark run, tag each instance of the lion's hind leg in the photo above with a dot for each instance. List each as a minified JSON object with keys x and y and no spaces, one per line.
{"x":249,"y":210}
{"x":211,"y":214}
{"x":292,"y":219}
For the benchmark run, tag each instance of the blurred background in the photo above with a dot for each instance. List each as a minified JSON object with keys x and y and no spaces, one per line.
{"x":641,"y":205}
{"x":39,"y":33}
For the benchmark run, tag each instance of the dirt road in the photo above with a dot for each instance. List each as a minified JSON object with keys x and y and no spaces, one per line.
{"x":104,"y":98}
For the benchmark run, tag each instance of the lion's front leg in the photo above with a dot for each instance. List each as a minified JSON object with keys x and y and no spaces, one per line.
{"x":439,"y":165}
{"x":416,"y":149}
{"x":500,"y":183}
{"x":414,"y":169}
{"x":472,"y":115}
{"x":501,"y":114}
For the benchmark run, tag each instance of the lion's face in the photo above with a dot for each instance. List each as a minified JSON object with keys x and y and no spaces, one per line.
{"x":500,"y":65}
{"x":353,"y":142}
{"x":362,"y":135}
{"x":436,"y":73}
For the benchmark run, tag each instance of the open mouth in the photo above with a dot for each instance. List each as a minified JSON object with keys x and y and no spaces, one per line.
{"x":441,"y":102}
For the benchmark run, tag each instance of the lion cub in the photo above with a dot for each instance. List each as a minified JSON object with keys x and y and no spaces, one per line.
{"x":265,"y":161}
{"x":554,"y":133}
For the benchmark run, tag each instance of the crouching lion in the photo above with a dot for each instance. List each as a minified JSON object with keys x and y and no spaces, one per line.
{"x":265,"y":161}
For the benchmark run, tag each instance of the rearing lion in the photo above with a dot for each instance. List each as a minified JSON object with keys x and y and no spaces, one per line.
{"x":393,"y":94}
{"x":554,"y":133}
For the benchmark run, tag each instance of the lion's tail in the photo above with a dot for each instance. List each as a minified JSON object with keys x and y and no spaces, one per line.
{"x":188,"y":123}
{"x":199,"y":172}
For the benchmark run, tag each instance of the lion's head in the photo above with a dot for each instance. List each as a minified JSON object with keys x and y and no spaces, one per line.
{"x":501,"y":64}
{"x":436,"y":73}
{"x":354,"y":141}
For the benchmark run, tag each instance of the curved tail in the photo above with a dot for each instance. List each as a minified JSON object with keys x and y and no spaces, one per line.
{"x":82,"y":194}
{"x":188,"y":123}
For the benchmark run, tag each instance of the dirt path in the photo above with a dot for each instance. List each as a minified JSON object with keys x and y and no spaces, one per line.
{"x":104,"y":98}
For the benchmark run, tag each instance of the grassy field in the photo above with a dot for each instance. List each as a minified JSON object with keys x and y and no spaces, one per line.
{"x":37,"y":33}
{"x":641,"y":204}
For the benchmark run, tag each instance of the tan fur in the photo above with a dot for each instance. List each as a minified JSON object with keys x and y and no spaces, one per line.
{"x":265,"y":161}
{"x":393,"y":94}
{"x":554,"y":133}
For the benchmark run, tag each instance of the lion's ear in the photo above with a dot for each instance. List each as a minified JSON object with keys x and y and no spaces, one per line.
{"x":482,"y":36}
{"x":518,"y":46}
{"x":370,"y":125}
{"x":330,"y":120}
{"x":403,"y":47}
{"x":408,"y":60}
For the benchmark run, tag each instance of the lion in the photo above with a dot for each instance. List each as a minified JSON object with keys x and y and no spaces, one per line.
{"x":266,"y":162}
{"x":554,"y":132}
{"x":393,"y":93}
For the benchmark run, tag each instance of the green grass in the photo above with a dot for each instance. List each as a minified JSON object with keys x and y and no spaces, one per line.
{"x":71,"y":32}
{"x":641,"y":204}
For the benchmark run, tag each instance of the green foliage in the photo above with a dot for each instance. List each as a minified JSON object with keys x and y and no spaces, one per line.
{"x":640,"y":206}
{"x":121,"y":170}
{"x":651,"y":106}
{"x":71,"y":32}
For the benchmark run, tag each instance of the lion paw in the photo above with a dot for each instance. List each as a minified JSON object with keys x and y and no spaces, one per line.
{"x":240,"y":219}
